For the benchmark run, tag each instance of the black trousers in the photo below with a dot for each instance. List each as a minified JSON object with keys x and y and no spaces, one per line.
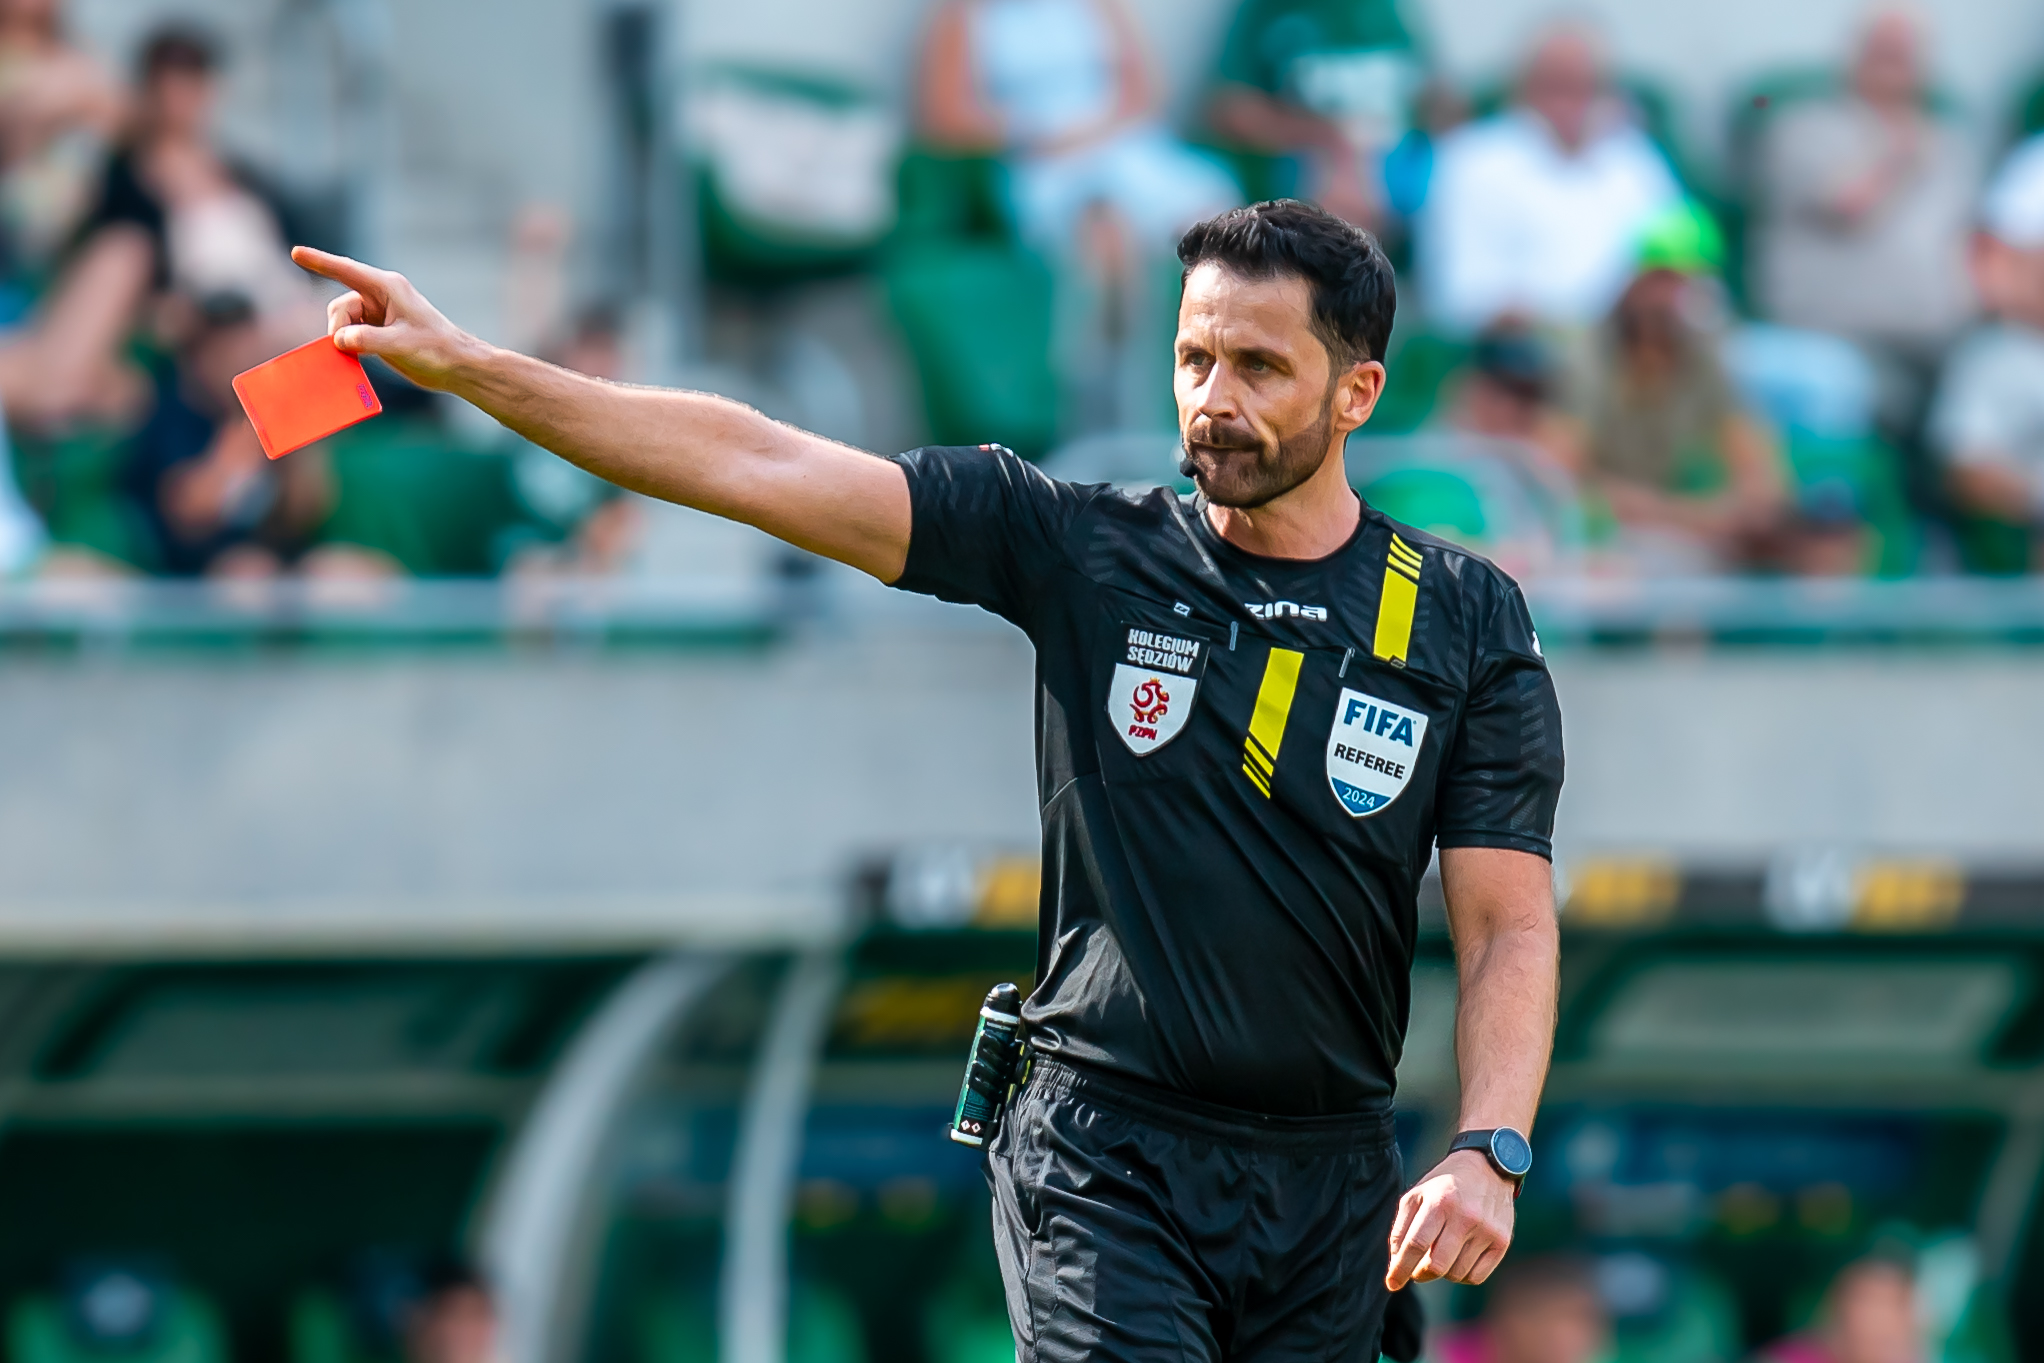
{"x":1137,"y":1227}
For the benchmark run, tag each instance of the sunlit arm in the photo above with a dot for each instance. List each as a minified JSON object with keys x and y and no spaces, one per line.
{"x":696,"y":449}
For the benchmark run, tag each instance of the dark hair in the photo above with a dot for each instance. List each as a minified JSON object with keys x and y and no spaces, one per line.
{"x":179,"y":47}
{"x":1513,"y":358}
{"x":1355,"y":293}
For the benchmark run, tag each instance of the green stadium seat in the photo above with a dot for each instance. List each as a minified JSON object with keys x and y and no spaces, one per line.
{"x":188,"y":1332}
{"x":823,"y":1327}
{"x":74,"y":482}
{"x":1416,"y":375}
{"x":1699,"y":1324}
{"x":319,"y":1329}
{"x":403,"y":487}
{"x":976,"y":316}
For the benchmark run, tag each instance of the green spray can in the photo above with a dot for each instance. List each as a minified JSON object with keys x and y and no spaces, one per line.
{"x":989,"y":1067}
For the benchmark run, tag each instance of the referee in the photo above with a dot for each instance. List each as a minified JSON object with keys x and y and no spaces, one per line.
{"x":1259,"y":710}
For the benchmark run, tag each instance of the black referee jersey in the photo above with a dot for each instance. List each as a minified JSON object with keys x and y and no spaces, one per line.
{"x":1244,"y":766}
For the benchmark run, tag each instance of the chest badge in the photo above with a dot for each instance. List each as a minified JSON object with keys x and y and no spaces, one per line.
{"x":1154,"y":684}
{"x":1372,"y":751}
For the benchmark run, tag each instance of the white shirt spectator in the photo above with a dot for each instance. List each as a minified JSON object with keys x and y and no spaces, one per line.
{"x":2013,"y":207}
{"x":1516,"y":223}
{"x":1990,"y":407}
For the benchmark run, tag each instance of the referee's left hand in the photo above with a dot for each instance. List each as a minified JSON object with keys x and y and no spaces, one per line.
{"x":1456,"y":1223}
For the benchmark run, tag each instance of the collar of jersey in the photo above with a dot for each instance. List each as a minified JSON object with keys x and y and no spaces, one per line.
{"x":1266,"y":562}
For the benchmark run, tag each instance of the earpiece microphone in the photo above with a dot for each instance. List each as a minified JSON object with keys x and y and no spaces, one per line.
{"x":1188,"y":468}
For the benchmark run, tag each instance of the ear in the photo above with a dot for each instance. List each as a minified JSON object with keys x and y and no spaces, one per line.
{"x":1355,"y":396}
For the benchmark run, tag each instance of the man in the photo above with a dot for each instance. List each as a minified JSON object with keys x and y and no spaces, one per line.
{"x":1866,"y":199}
{"x":1258,"y":710}
{"x":1534,"y":212}
{"x":1987,"y":424}
{"x":1327,"y":82}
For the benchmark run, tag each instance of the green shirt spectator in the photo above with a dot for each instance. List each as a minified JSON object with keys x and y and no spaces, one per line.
{"x":1328,"y":81}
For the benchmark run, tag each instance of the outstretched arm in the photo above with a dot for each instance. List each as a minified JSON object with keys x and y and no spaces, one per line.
{"x":697,"y":449}
{"x":1457,"y":1222}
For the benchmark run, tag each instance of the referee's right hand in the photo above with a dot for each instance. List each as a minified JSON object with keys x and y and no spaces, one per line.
{"x":1456,"y":1223}
{"x":385,"y":315}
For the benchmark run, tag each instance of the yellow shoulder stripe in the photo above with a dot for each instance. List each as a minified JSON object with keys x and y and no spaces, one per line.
{"x":1402,"y":564}
{"x":1267,"y":723}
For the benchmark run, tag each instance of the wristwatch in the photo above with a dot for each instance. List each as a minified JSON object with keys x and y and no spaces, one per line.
{"x":1508,"y":1151}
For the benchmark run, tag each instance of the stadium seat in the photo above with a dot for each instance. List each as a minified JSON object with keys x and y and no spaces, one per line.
{"x":320,"y":1329}
{"x":1698,"y":1323}
{"x":976,"y":316}
{"x":1416,"y":374}
{"x":74,"y":482}
{"x":405,"y":488}
{"x":116,"y":1315}
{"x":823,"y":1327}
{"x":1487,"y":495}
{"x":794,"y":174}
{"x":974,"y":306}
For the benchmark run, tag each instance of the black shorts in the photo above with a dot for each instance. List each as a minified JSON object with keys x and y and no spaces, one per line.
{"x":1136,"y":1227}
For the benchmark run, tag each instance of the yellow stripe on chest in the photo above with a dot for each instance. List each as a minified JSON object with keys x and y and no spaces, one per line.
{"x":1267,"y":723}
{"x":1402,"y":564}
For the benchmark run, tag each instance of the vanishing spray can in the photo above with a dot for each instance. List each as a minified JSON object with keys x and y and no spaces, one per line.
{"x":989,"y":1067}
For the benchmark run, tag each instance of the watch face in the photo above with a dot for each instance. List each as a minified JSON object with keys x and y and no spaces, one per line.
{"x":1513,"y":1153}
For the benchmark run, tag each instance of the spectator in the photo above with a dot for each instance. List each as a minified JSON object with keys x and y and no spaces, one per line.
{"x":1508,"y":392}
{"x":215,"y":503}
{"x":1327,"y":84}
{"x":1541,"y":1310}
{"x":58,"y":112}
{"x":171,"y":214}
{"x":1061,"y":91}
{"x":1535,"y":211}
{"x":1870,"y":1315}
{"x":1987,"y":424}
{"x":1691,"y":478}
{"x":1865,"y":201}
{"x":454,"y":1319}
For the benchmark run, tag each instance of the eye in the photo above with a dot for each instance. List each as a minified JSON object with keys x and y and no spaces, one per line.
{"x":1256,"y":364}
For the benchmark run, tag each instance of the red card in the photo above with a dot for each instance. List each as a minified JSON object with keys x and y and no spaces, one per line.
{"x":305,"y":395}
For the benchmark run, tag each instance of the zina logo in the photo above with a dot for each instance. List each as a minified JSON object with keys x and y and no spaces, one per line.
{"x":1285,"y":610}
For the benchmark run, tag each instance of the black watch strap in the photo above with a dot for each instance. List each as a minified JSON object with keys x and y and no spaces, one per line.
{"x":1486,"y":1141}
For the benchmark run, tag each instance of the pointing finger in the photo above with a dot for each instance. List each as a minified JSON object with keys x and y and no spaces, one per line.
{"x":363,"y":279}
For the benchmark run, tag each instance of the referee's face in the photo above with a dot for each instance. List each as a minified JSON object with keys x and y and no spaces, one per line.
{"x":1260,"y":405}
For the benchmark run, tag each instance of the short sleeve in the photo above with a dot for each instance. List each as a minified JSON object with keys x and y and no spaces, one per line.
{"x":1979,"y":415}
{"x":987,"y":528}
{"x":1503,"y":775}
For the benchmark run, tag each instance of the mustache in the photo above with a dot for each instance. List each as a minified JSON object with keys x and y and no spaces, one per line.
{"x":1206,"y":433}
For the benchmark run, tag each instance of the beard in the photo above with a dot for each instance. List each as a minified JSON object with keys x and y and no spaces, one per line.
{"x":1233,"y":467}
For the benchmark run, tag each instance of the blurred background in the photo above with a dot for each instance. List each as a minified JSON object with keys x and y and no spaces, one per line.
{"x":451,"y":912}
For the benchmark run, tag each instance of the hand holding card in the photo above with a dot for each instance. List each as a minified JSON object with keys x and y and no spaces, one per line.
{"x":305,"y":395}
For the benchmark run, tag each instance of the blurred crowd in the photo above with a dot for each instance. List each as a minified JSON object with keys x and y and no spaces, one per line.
{"x":1822,"y":359}
{"x":143,"y":266}
{"x":1822,"y":355}
{"x":1563,"y":1309}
